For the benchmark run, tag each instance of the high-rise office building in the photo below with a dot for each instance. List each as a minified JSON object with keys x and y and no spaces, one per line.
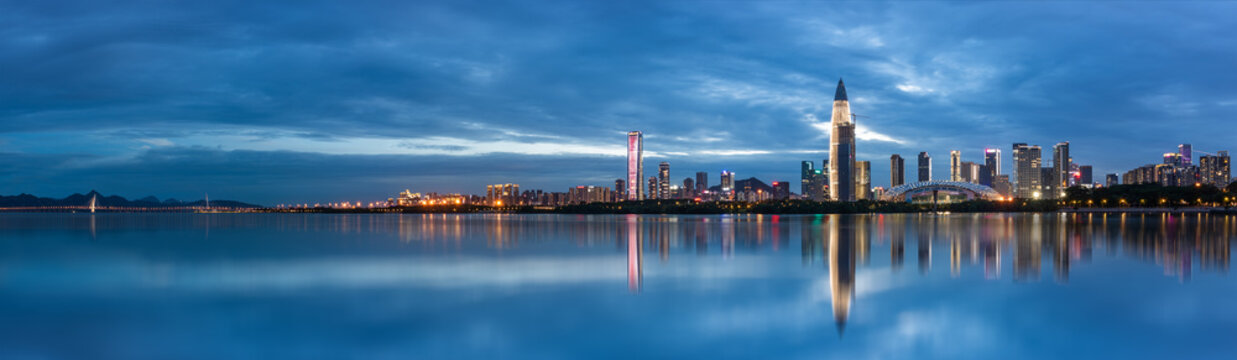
{"x":1214,"y":169}
{"x":635,"y":165}
{"x":818,"y":190}
{"x":982,"y":175}
{"x":1187,"y":154}
{"x":727,"y":184}
{"x":992,"y":160}
{"x":663,"y":180}
{"x":897,"y":170}
{"x":702,"y":182}
{"x":1084,"y":176}
{"x":1047,"y":175}
{"x":502,"y":194}
{"x":1172,"y":159}
{"x":1111,"y":180}
{"x":925,"y":166}
{"x":652,"y":188}
{"x":841,"y":148}
{"x":1061,"y":169}
{"x":689,"y":188}
{"x":805,"y":177}
{"x":863,"y":180}
{"x":970,"y":172}
{"x":1026,"y":171}
{"x":955,"y":166}
{"x":620,"y":189}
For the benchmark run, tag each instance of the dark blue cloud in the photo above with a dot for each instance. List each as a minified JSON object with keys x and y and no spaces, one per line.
{"x":361,"y":99}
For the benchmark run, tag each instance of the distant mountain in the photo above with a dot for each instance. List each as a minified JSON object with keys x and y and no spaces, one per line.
{"x":27,"y":200}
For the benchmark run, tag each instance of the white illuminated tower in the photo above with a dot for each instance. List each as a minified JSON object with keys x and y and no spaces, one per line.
{"x":841,"y":149}
{"x":635,"y":165}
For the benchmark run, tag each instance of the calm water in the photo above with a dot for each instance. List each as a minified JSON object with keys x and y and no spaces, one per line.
{"x":262,"y":286}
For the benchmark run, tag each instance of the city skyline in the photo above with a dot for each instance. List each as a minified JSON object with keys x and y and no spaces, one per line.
{"x":184,"y":101}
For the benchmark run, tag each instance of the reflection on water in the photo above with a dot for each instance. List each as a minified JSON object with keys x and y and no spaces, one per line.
{"x":712,"y":263}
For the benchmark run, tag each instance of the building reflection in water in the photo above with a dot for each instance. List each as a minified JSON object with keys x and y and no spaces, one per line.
{"x":923,"y":230}
{"x":635,"y":261}
{"x":1179,"y":244}
{"x":842,"y":241}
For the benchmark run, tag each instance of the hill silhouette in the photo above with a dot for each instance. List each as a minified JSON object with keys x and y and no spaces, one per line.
{"x":28,"y":200}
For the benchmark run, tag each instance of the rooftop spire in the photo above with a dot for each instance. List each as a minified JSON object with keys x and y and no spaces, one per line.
{"x":841,"y":94}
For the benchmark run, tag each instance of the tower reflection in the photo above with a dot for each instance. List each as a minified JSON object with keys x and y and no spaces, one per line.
{"x":635,"y":255}
{"x":841,"y":269}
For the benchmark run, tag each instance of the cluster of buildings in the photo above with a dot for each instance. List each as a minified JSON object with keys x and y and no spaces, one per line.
{"x":632,"y":187}
{"x":1178,"y":169}
{"x":409,"y":198}
{"x":1034,"y":175}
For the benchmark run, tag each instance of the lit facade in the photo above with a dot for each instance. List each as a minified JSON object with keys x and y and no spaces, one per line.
{"x":502,"y":194}
{"x":635,"y":165}
{"x":663,"y":180}
{"x":841,"y":148}
{"x":1060,"y":169}
{"x":1187,"y":154}
{"x":863,"y":180}
{"x":588,"y":194}
{"x":1027,"y":175}
{"x":992,"y":162}
{"x":1214,"y":169}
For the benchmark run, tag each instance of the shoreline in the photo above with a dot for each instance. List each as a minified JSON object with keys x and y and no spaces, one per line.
{"x":1156,"y":210}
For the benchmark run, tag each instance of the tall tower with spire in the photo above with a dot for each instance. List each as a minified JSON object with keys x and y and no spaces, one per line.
{"x":842,"y":149}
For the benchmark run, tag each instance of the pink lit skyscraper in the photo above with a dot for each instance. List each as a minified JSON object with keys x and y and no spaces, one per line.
{"x":635,"y":165}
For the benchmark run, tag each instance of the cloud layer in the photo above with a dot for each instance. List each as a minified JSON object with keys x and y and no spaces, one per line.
{"x":362,"y":99}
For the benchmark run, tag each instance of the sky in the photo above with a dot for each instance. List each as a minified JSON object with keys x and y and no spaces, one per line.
{"x":314,"y":101}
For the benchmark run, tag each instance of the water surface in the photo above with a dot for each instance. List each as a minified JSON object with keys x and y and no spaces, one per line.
{"x":262,"y":286}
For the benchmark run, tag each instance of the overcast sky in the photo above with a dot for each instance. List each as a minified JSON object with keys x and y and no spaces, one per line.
{"x":307,"y":101}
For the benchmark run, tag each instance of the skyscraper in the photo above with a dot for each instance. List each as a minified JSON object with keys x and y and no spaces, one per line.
{"x":863,"y":180}
{"x":689,"y":187}
{"x":842,"y":148}
{"x":1084,"y":175}
{"x":955,"y":166}
{"x":1214,"y":169}
{"x":1060,"y":167}
{"x":702,"y":182}
{"x":805,"y":177}
{"x":663,"y":180}
{"x":1187,"y":156}
{"x":818,"y":188}
{"x":635,"y":165}
{"x":925,"y":166}
{"x":992,"y":160}
{"x":727,"y":184}
{"x":620,"y":189}
{"x":969,"y":172}
{"x":1047,"y":175}
{"x":653,"y":188}
{"x":1026,"y":170}
{"x":897,"y":170}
